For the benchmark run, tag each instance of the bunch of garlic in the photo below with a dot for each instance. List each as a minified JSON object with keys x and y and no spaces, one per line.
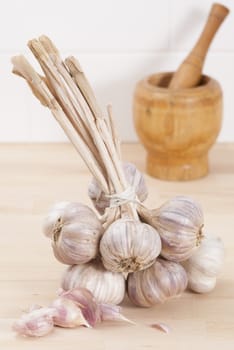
{"x":128,"y":240}
{"x":159,"y":253}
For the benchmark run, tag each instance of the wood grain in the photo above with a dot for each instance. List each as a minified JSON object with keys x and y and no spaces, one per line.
{"x":32,"y":178}
{"x":177,"y":127}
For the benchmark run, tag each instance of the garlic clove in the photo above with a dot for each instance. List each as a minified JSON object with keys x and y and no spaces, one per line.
{"x":75,"y":231}
{"x":134,"y":179}
{"x":129,"y":245}
{"x":161,"y":281}
{"x":68,"y":313}
{"x":106,"y":286}
{"x":35,"y":323}
{"x":91,"y":310}
{"x":205,"y":264}
{"x":179,"y":222}
{"x":88,"y":305}
{"x":110,"y":312}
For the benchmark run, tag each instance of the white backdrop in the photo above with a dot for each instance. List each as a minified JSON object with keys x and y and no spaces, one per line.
{"x":117,"y":42}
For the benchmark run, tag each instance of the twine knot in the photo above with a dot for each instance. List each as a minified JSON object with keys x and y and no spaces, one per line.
{"x":128,"y":195}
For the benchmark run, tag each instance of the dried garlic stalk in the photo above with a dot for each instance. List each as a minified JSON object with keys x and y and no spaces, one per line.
{"x":66,"y":91}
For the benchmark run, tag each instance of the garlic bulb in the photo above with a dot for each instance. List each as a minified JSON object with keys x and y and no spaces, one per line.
{"x":75,"y":231}
{"x":134,"y":178}
{"x":162,"y":280}
{"x":179,"y":222}
{"x":129,"y":245}
{"x":107,"y":287}
{"x":205,"y":264}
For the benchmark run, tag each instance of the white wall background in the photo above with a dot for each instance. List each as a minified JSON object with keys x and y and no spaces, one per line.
{"x":117,"y":42}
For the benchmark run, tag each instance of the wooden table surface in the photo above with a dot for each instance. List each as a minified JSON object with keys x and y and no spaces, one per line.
{"x":32,"y":177}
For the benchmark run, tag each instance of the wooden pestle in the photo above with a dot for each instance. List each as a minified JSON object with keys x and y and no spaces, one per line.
{"x":190,"y":70}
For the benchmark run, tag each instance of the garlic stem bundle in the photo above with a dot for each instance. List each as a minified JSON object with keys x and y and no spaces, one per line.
{"x":129,"y":245}
{"x":161,"y":281}
{"x":106,"y":286}
{"x":134,"y":179}
{"x":205,"y":264}
{"x":68,"y":95}
{"x":75,"y":232}
{"x":179,"y":222}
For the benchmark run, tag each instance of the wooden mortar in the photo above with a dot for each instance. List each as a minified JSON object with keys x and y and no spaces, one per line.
{"x":177,"y":127}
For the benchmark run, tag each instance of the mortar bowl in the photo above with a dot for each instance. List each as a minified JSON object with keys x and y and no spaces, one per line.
{"x":177,"y":127}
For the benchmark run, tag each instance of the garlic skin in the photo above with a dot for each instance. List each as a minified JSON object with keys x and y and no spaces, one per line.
{"x":134,"y":178}
{"x":205,"y":264}
{"x":129,"y":245}
{"x":161,"y":281}
{"x":106,"y":286}
{"x":179,"y":223}
{"x":75,"y":231}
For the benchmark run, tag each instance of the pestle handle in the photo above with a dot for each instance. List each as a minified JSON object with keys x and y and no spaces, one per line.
{"x":190,"y":70}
